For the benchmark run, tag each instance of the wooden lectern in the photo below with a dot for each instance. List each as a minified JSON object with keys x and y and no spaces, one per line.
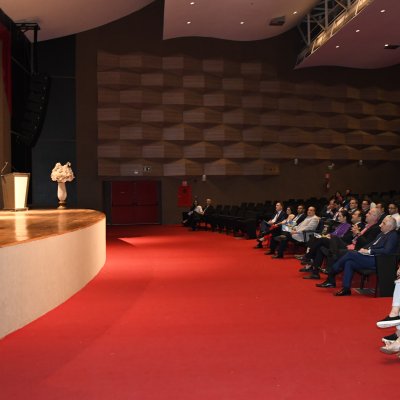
{"x":15,"y":190}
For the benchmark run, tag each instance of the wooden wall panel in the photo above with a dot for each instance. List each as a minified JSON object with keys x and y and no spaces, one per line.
{"x":183,"y":133}
{"x":140,"y":132}
{"x":222,"y":133}
{"x":202,"y":150}
{"x":189,"y":116}
{"x":183,"y":168}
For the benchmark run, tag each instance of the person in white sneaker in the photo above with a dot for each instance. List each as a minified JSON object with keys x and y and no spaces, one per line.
{"x":393,"y":319}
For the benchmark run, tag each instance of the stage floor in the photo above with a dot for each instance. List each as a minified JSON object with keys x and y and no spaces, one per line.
{"x":25,"y":226}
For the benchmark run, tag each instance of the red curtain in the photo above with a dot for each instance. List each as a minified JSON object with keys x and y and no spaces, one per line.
{"x":5,"y":38}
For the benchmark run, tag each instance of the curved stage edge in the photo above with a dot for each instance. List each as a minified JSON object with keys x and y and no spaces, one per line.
{"x":46,"y":256}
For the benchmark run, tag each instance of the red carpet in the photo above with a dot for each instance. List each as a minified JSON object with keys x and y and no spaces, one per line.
{"x":199,"y":316}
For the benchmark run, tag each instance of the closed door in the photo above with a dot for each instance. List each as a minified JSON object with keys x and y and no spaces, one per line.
{"x":136,"y":202}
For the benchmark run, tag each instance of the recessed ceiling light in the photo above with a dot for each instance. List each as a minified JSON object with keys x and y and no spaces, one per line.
{"x":357,"y":30}
{"x":241,"y":22}
{"x":189,"y":22}
{"x":389,"y":46}
{"x":192,"y":3}
{"x":382,"y":11}
{"x":294,"y":12}
{"x":337,"y":46}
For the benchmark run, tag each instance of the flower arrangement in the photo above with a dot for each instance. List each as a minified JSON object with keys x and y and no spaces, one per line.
{"x":62,"y":173}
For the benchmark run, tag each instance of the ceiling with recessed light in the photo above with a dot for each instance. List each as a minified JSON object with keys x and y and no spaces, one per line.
{"x":240,"y":20}
{"x":232,"y":19}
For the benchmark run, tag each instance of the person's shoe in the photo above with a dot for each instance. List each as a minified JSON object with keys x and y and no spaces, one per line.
{"x":343,"y":292}
{"x":324,"y":271}
{"x":269,"y":252}
{"x":390,"y":338}
{"x":299,"y":256}
{"x":277,"y":256}
{"x":306,"y":269}
{"x":387,"y":322}
{"x":312,"y":276}
{"x":391,"y":348}
{"x":259,"y":246}
{"x":325,"y":284}
{"x":305,"y":261}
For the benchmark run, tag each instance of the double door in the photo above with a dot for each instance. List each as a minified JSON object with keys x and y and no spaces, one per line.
{"x":135,"y":202}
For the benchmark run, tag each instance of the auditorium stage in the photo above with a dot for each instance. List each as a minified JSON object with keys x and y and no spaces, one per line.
{"x":46,"y":256}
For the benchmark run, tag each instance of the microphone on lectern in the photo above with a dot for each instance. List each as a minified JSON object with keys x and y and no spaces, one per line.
{"x":4,"y":167}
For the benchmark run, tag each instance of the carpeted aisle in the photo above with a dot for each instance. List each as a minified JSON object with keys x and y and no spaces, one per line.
{"x":187,"y":315}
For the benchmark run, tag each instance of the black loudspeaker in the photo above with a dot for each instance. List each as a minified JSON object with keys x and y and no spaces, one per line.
{"x":28,"y":128}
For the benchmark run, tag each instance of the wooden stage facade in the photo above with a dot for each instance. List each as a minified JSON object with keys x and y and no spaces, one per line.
{"x":46,"y":256}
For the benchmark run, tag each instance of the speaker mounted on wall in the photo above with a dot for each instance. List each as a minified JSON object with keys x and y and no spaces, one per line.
{"x":27,"y":129}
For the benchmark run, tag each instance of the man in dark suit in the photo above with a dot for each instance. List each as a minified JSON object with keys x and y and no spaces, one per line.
{"x":385,"y":243}
{"x":271,"y":224}
{"x":208,"y":211}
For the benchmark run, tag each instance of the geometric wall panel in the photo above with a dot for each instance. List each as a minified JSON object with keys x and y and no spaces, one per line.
{"x":223,"y":100}
{"x":202,"y":150}
{"x":180,"y":63}
{"x":182,"y":132}
{"x":185,"y":116}
{"x":140,"y":132}
{"x":359,"y":139}
{"x":183,"y":168}
{"x":241,"y":150}
{"x":202,"y":82}
{"x":388,"y":139}
{"x":222,"y":167}
{"x":344,"y":152}
{"x":260,"y":167}
{"x":183,"y":97}
{"x":374,"y":153}
{"x":162,"y":150}
{"x":140,"y":62}
{"x":295,"y":135}
{"x":221,"y":67}
{"x":276,"y":151}
{"x":259,"y":102}
{"x":329,"y":137}
{"x":311,"y":152}
{"x":140,"y":97}
{"x":222,"y":133}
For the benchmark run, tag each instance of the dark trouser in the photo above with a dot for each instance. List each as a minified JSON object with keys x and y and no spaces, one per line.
{"x":283,"y":242}
{"x":350,"y":262}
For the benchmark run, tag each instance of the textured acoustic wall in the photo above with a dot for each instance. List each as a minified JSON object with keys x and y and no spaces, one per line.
{"x":181,"y":116}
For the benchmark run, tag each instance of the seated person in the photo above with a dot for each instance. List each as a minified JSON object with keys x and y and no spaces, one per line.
{"x":361,"y":235}
{"x":394,"y":212}
{"x":392,"y":342}
{"x":352,"y":205}
{"x":271,"y":224}
{"x":365,"y":206}
{"x":330,"y":210}
{"x":382,"y":212}
{"x":279,"y":225}
{"x":385,"y":243}
{"x":298,"y":233}
{"x":315,"y":254}
{"x":188,"y":215}
{"x":204,"y":214}
{"x":287,"y":226}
